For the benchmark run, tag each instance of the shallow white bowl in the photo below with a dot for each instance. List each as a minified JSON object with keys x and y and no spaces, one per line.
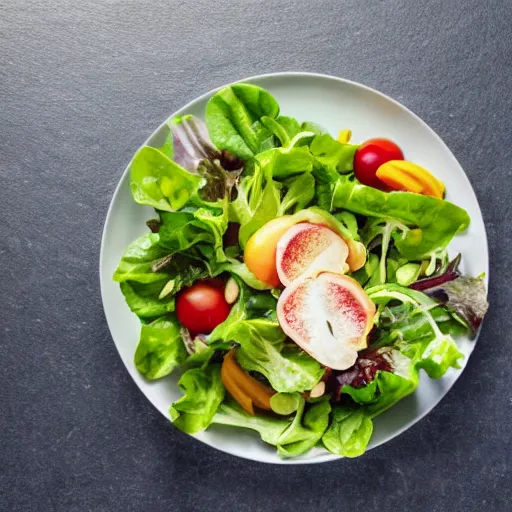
{"x":335,"y":104}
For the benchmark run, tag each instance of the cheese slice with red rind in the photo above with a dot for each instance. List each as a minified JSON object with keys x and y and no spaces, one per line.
{"x":307,"y":248}
{"x":329,"y":316}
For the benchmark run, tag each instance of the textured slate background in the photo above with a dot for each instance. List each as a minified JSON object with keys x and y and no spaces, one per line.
{"x":82,"y":84}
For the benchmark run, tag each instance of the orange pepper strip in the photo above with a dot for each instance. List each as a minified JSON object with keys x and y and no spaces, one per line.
{"x":404,"y":175}
{"x":236,"y":392}
{"x":242,"y":387}
{"x":399,"y":180}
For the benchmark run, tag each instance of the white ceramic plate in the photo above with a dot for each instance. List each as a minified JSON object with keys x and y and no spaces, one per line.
{"x":335,"y":104}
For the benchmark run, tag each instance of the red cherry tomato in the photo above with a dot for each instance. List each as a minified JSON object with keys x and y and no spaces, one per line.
{"x":202,"y":306}
{"x":370,"y":156}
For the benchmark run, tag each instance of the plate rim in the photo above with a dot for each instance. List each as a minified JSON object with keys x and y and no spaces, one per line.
{"x":327,"y":456}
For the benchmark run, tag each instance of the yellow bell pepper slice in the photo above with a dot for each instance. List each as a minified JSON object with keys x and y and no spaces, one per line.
{"x":344,"y":136}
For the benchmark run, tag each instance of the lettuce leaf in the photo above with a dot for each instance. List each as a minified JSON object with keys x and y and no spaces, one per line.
{"x":160,"y":348}
{"x":204,"y":392}
{"x":194,"y":151}
{"x":140,"y":258}
{"x":350,"y":431}
{"x":182,"y":230}
{"x":158,"y":181}
{"x":233,"y":117}
{"x":281,"y":163}
{"x":383,"y":376}
{"x":150,"y":275}
{"x":144,"y":299}
{"x":240,"y":269}
{"x":186,"y":169}
{"x":293,"y":437}
{"x":269,"y":427}
{"x":287,"y":368}
{"x":306,"y":430}
{"x":300,"y":191}
{"x":465,"y":297}
{"x":433,"y":222}
{"x":331,"y":157}
{"x":260,"y":350}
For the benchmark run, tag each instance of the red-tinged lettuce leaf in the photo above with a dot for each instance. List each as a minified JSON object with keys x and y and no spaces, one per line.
{"x":363,"y":372}
{"x":465,"y":297}
{"x":194,"y":151}
{"x":451,"y":273}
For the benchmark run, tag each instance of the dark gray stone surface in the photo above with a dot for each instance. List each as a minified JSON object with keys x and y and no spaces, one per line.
{"x":82,"y":84}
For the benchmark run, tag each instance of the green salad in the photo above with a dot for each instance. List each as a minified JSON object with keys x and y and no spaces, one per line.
{"x":297,"y":282}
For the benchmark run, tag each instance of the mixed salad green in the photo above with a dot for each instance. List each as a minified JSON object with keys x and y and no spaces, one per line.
{"x":295,"y":300}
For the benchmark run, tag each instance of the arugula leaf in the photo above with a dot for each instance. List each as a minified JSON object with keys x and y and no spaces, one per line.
{"x":159,"y":182}
{"x":233,"y":117}
{"x":433,"y":222}
{"x":160,"y":348}
{"x":204,"y":392}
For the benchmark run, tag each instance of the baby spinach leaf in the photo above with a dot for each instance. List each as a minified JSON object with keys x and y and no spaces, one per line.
{"x":160,"y":348}
{"x":233,"y":117}
{"x":350,"y":431}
